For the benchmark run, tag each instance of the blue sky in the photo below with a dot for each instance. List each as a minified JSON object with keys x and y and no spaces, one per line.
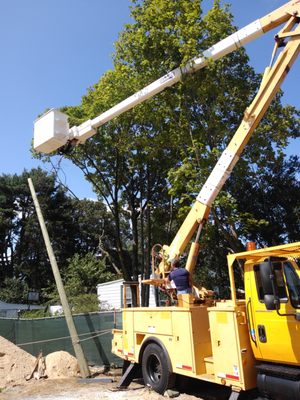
{"x":53,"y":50}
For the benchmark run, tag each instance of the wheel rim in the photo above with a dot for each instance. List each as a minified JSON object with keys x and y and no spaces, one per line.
{"x":154,"y":369}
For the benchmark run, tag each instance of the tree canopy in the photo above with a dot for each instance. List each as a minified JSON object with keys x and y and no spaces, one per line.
{"x":148,"y":164}
{"x":76,"y":227}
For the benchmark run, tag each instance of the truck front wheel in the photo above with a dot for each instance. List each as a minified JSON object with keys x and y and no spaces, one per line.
{"x":155,"y":368}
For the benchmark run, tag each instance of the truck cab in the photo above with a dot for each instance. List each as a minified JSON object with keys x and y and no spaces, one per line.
{"x":272,"y":296}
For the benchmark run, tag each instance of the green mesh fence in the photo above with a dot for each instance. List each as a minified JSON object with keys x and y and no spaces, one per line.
{"x":51,"y":334}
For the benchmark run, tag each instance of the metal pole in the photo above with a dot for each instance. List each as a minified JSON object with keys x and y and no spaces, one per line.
{"x":84,"y":369}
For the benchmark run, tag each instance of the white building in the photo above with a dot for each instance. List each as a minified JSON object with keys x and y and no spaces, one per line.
{"x":110,"y":295}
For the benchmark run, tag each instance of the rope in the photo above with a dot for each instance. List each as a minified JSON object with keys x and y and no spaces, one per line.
{"x":94,"y":334}
{"x":99,"y":334}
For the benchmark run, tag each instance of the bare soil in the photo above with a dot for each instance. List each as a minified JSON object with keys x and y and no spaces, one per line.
{"x":17,"y":366}
{"x":95,"y":389}
{"x":55,"y":377}
{"x":15,"y":363}
{"x":77,"y":389}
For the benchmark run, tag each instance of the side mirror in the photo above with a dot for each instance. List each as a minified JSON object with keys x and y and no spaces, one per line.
{"x":270,"y":302}
{"x":270,"y":287}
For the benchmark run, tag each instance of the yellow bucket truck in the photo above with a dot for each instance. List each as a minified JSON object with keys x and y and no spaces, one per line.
{"x":243,"y":344}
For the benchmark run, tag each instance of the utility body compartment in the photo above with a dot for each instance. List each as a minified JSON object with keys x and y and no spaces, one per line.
{"x":211,"y":344}
{"x":231,"y":347}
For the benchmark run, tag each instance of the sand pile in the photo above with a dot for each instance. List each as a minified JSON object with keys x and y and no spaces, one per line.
{"x":61,"y":364}
{"x":15,"y":364}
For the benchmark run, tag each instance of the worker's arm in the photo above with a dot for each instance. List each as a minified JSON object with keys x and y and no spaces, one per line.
{"x":167,"y":280}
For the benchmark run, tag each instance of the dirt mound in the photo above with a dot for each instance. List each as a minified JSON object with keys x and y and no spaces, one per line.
{"x":15,"y":364}
{"x":61,"y":364}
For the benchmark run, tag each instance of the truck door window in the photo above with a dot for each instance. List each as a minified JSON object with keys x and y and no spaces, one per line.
{"x":280,"y":282}
{"x":279,"y":279}
{"x":293,"y":284}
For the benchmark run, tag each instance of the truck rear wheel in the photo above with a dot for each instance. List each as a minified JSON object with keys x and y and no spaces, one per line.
{"x":155,"y":368}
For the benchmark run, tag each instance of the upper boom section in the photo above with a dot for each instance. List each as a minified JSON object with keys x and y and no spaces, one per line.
{"x":51,"y":131}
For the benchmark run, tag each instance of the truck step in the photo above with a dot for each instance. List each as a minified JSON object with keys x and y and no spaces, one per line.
{"x":207,"y":377}
{"x":209,"y":365}
{"x":289,"y":372}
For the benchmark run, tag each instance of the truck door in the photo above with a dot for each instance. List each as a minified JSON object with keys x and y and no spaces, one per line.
{"x":277,"y":336}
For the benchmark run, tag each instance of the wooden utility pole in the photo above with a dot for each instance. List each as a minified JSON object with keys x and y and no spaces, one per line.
{"x":84,"y":368}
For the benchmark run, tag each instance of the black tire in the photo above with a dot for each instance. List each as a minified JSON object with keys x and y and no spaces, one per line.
{"x":155,"y":368}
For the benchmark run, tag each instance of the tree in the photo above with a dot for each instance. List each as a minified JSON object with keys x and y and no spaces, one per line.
{"x":14,"y":290}
{"x":129,"y":159}
{"x":74,"y":227}
{"x":272,"y":216}
{"x":148,"y":164}
{"x":23,"y":255}
{"x":84,"y":273}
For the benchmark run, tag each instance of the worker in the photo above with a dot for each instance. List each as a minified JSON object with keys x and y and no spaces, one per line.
{"x":181,"y":278}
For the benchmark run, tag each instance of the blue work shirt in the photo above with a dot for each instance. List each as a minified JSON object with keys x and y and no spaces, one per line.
{"x":180,"y":276}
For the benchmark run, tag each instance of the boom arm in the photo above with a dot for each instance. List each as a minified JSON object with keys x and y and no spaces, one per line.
{"x":271,"y":82}
{"x":52,"y":131}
